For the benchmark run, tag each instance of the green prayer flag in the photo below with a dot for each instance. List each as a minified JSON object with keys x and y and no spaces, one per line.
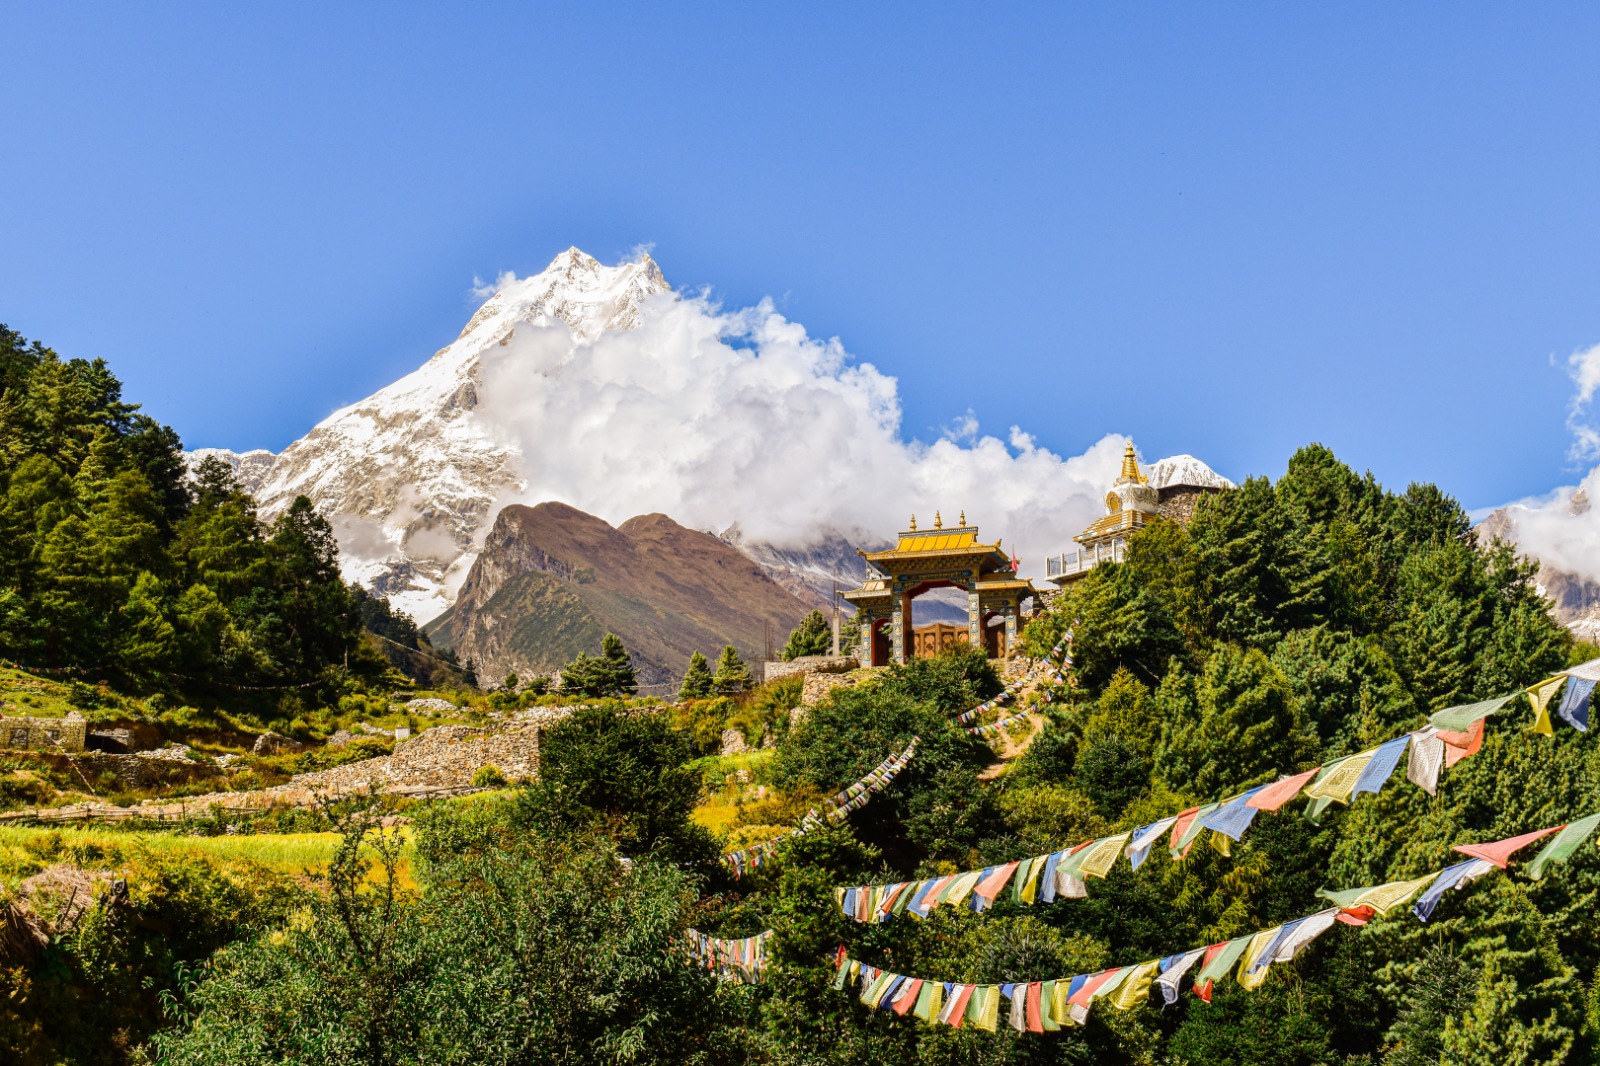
{"x":1019,"y":880}
{"x":1460,"y":719}
{"x":1224,"y":961}
{"x":1563,"y":844}
{"x":843,"y":975}
{"x":1193,"y":829}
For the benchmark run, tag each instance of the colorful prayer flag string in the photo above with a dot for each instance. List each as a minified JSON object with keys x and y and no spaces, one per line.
{"x":1052,"y":1005}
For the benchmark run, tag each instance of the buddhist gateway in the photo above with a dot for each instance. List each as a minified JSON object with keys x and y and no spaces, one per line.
{"x":955,"y":558}
{"x":938,"y":558}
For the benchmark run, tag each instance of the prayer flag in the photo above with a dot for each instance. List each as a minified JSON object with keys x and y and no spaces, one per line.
{"x":908,"y":996}
{"x":1173,"y":967}
{"x":1427,"y":756}
{"x":1234,"y":816}
{"x":1452,"y":877}
{"x":1574,"y":707}
{"x":1459,"y":719}
{"x":1565,"y":843}
{"x":1144,"y":839}
{"x":1381,"y":898}
{"x":1249,"y":976}
{"x":1034,"y":1019}
{"x":1101,"y":856}
{"x":1302,"y":933}
{"x":1047,"y":1005}
{"x":1539,"y":696}
{"x":955,"y":1008}
{"x":1047,"y":877}
{"x":1377,"y":772}
{"x":1184,"y":833}
{"x":1458,"y":746}
{"x":1500,"y":851}
{"x":1336,"y":781}
{"x":993,"y":881}
{"x":988,"y":1012}
{"x":1135,"y":988}
{"x":1275,"y":795}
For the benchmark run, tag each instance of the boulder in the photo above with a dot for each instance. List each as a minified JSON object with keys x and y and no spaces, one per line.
{"x":270,"y":743}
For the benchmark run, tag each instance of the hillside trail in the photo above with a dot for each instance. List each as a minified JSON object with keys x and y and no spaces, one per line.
{"x":1014,"y":742}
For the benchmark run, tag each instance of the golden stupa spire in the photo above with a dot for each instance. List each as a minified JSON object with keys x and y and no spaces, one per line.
{"x":1130,"y":465}
{"x":938,"y":521}
{"x":913,"y":523}
{"x":963,"y":518}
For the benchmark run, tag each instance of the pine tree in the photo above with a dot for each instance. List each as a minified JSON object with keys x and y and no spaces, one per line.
{"x":599,"y":676}
{"x":619,"y":673}
{"x":732,"y":675}
{"x":696,"y":680}
{"x":811,"y":637}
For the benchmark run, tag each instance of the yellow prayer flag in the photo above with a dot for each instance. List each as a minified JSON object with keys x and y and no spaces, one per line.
{"x":1101,"y":856}
{"x":961,"y":888}
{"x":1341,"y":779}
{"x":1058,"y":1004}
{"x":1384,"y":898}
{"x":1135,"y":987}
{"x":1221,"y":844}
{"x":1252,"y":954}
{"x":1540,"y":695}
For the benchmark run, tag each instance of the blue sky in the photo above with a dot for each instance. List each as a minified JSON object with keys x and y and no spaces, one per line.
{"x":1222,"y":229}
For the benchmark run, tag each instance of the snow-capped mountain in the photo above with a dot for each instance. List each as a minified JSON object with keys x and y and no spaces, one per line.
{"x":410,"y":475}
{"x":251,"y":468}
{"x":1185,"y":470}
{"x":599,"y":387}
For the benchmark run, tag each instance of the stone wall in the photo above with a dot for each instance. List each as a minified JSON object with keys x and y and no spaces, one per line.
{"x":1178,"y":502}
{"x":808,"y":664}
{"x":43,"y":734}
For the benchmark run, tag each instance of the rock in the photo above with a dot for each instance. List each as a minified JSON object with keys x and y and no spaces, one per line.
{"x":113,"y":740}
{"x":341,"y":739}
{"x":733,"y":742}
{"x":818,"y":685}
{"x":431,"y":706}
{"x":270,"y":743}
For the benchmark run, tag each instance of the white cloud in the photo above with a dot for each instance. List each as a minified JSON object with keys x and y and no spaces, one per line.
{"x":1561,"y":528}
{"x":713,"y":417}
{"x":1584,"y":367}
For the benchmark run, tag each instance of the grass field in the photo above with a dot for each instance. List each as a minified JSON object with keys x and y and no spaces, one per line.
{"x":25,"y":850}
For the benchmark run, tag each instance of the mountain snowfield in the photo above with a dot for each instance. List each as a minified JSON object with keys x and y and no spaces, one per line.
{"x":600,"y":387}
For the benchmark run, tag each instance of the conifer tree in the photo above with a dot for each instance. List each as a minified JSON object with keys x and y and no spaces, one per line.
{"x":696,"y":680}
{"x":811,"y":637}
{"x":732,"y":675}
{"x":619,"y":673}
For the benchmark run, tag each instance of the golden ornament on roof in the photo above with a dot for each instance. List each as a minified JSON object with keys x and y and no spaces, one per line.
{"x":938,"y":521}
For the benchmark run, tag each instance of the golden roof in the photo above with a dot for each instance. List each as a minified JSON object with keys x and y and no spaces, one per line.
{"x":1117,"y":522}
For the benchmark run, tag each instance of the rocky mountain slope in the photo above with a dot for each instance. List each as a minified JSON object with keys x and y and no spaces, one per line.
{"x":1575,"y":598}
{"x":409,"y":475}
{"x":551,"y":581}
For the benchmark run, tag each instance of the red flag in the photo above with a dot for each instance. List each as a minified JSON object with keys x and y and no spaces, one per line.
{"x":1500,"y":851}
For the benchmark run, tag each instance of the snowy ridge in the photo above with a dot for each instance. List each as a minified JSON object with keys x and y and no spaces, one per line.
{"x":409,"y":475}
{"x":1185,"y":470}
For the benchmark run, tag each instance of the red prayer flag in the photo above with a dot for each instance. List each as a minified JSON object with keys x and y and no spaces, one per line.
{"x":990,"y":886}
{"x":1035,"y":1022}
{"x":959,"y":1014}
{"x":1500,"y":851}
{"x":1458,"y":746}
{"x":1356,"y":915}
{"x":1277,"y":794}
{"x":1080,"y":998}
{"x":908,"y":996}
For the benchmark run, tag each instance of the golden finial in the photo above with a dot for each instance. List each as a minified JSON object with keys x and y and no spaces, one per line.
{"x":1130,"y":464}
{"x":913,"y":523}
{"x":938,"y":520}
{"x":963,"y":517}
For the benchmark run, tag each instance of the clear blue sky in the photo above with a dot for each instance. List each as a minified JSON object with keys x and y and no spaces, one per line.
{"x":1223,"y":229}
